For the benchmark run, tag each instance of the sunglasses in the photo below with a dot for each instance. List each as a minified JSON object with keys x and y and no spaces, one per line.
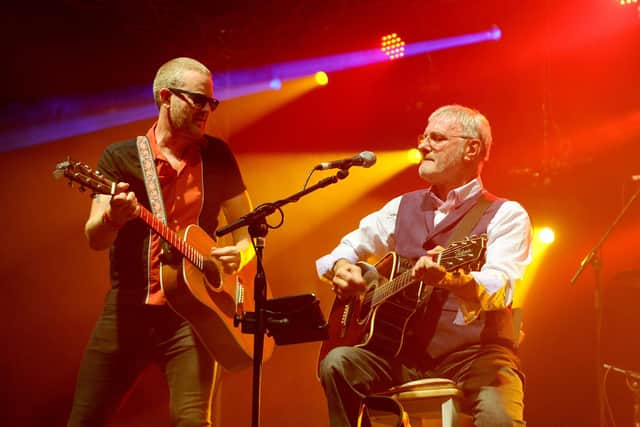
{"x":198,"y":100}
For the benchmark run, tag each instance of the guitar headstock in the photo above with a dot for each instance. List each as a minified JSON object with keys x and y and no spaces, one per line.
{"x":467,"y":253}
{"x":82,"y":174}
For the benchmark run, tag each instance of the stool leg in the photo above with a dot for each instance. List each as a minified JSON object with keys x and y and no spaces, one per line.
{"x":360,"y":415}
{"x":374,"y":406}
{"x":405,"y":419}
{"x":449,"y":413}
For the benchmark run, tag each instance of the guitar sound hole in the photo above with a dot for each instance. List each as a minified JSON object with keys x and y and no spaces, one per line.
{"x":212,"y":273}
{"x":365,"y":307}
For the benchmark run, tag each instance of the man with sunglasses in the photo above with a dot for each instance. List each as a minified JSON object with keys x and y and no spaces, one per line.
{"x":460,"y":324}
{"x":198,"y":177}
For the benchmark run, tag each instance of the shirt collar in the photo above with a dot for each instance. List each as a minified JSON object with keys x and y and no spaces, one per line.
{"x":191,"y":155}
{"x":151,"y":136}
{"x":458,"y":195}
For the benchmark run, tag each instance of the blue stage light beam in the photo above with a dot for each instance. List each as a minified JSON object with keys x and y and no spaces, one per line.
{"x":492,"y":34}
{"x":57,"y":118}
{"x":343,"y":61}
{"x":63,"y":117}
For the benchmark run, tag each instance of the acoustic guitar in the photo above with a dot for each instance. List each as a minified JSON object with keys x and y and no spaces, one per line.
{"x":377,"y":319}
{"x":196,"y":288}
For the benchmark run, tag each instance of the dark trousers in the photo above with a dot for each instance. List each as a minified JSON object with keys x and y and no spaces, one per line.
{"x":489,"y":376}
{"x":125,"y":340}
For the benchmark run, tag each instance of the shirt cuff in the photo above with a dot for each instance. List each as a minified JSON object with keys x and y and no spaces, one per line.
{"x":324,"y":265}
{"x":470,"y":309}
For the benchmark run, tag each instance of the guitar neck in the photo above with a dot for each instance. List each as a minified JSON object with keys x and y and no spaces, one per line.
{"x":171,"y":237}
{"x":456,"y":255}
{"x":88,"y":178}
{"x":392,"y":287}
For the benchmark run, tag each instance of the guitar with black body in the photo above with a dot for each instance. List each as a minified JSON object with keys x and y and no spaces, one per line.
{"x":377,"y":319}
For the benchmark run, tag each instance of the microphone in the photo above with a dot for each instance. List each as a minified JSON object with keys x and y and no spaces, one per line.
{"x":366,"y":159}
{"x":627,"y":372}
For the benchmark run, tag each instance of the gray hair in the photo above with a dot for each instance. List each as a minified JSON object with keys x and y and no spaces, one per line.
{"x":473,"y":122}
{"x":170,"y":74}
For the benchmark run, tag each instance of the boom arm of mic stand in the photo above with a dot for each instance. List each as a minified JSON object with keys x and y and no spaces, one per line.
{"x":266,"y":209}
{"x":591,"y":256}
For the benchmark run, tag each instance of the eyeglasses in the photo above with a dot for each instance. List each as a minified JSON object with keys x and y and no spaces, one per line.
{"x":438,"y":138}
{"x":198,"y":100}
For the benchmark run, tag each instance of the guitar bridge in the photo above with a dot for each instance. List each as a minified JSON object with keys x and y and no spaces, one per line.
{"x":239,"y":297}
{"x":344,"y":320}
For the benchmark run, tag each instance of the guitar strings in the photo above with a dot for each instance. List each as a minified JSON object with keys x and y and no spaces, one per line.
{"x":86,"y":176}
{"x":187,"y":250}
{"x":382,"y":292}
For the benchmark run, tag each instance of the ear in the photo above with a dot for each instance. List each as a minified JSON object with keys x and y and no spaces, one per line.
{"x":474,"y":149}
{"x":165,"y":95}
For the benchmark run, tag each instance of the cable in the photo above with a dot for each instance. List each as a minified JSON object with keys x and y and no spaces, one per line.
{"x":304,"y":187}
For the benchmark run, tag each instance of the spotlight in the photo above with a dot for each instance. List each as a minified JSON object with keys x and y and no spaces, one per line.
{"x":275,"y":84}
{"x":495,"y":33}
{"x":414,"y":156}
{"x":321,"y":78}
{"x":546,"y":235}
{"x":626,"y":2}
{"x":392,"y":46}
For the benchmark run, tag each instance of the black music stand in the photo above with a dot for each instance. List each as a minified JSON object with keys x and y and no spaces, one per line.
{"x":292,"y":319}
{"x":296,"y":319}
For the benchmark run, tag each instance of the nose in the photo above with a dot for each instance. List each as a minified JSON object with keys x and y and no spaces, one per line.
{"x":424,"y":146}
{"x":207,"y":107}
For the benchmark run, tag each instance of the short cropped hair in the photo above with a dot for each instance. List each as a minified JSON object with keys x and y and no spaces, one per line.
{"x":170,"y":74}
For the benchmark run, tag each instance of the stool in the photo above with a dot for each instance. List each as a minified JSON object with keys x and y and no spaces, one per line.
{"x":428,"y":402}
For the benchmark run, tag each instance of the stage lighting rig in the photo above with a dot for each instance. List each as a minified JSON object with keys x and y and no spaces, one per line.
{"x":392,"y":46}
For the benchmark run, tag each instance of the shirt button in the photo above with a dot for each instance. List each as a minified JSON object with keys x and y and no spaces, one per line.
{"x":177,"y":197}
{"x":175,"y":221}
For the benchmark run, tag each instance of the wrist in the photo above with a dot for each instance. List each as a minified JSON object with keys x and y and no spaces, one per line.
{"x":108,"y":221}
{"x":455,"y":279}
{"x":338,"y":264}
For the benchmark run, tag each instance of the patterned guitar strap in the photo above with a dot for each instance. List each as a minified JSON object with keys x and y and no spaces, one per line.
{"x":152,"y":184}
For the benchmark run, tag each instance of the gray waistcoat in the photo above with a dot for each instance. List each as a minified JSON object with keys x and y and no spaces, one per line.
{"x":435,"y":331}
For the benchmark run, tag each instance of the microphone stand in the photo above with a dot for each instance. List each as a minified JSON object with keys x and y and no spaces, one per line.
{"x":257,"y":323}
{"x":593,"y":259}
{"x":633,"y":383}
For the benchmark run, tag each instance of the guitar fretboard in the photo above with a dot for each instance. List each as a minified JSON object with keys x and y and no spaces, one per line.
{"x":382,"y":292}
{"x":455,"y":256}
{"x":172,"y":238}
{"x":87,"y":177}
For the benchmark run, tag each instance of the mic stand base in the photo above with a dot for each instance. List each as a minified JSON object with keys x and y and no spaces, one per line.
{"x":634,"y":386}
